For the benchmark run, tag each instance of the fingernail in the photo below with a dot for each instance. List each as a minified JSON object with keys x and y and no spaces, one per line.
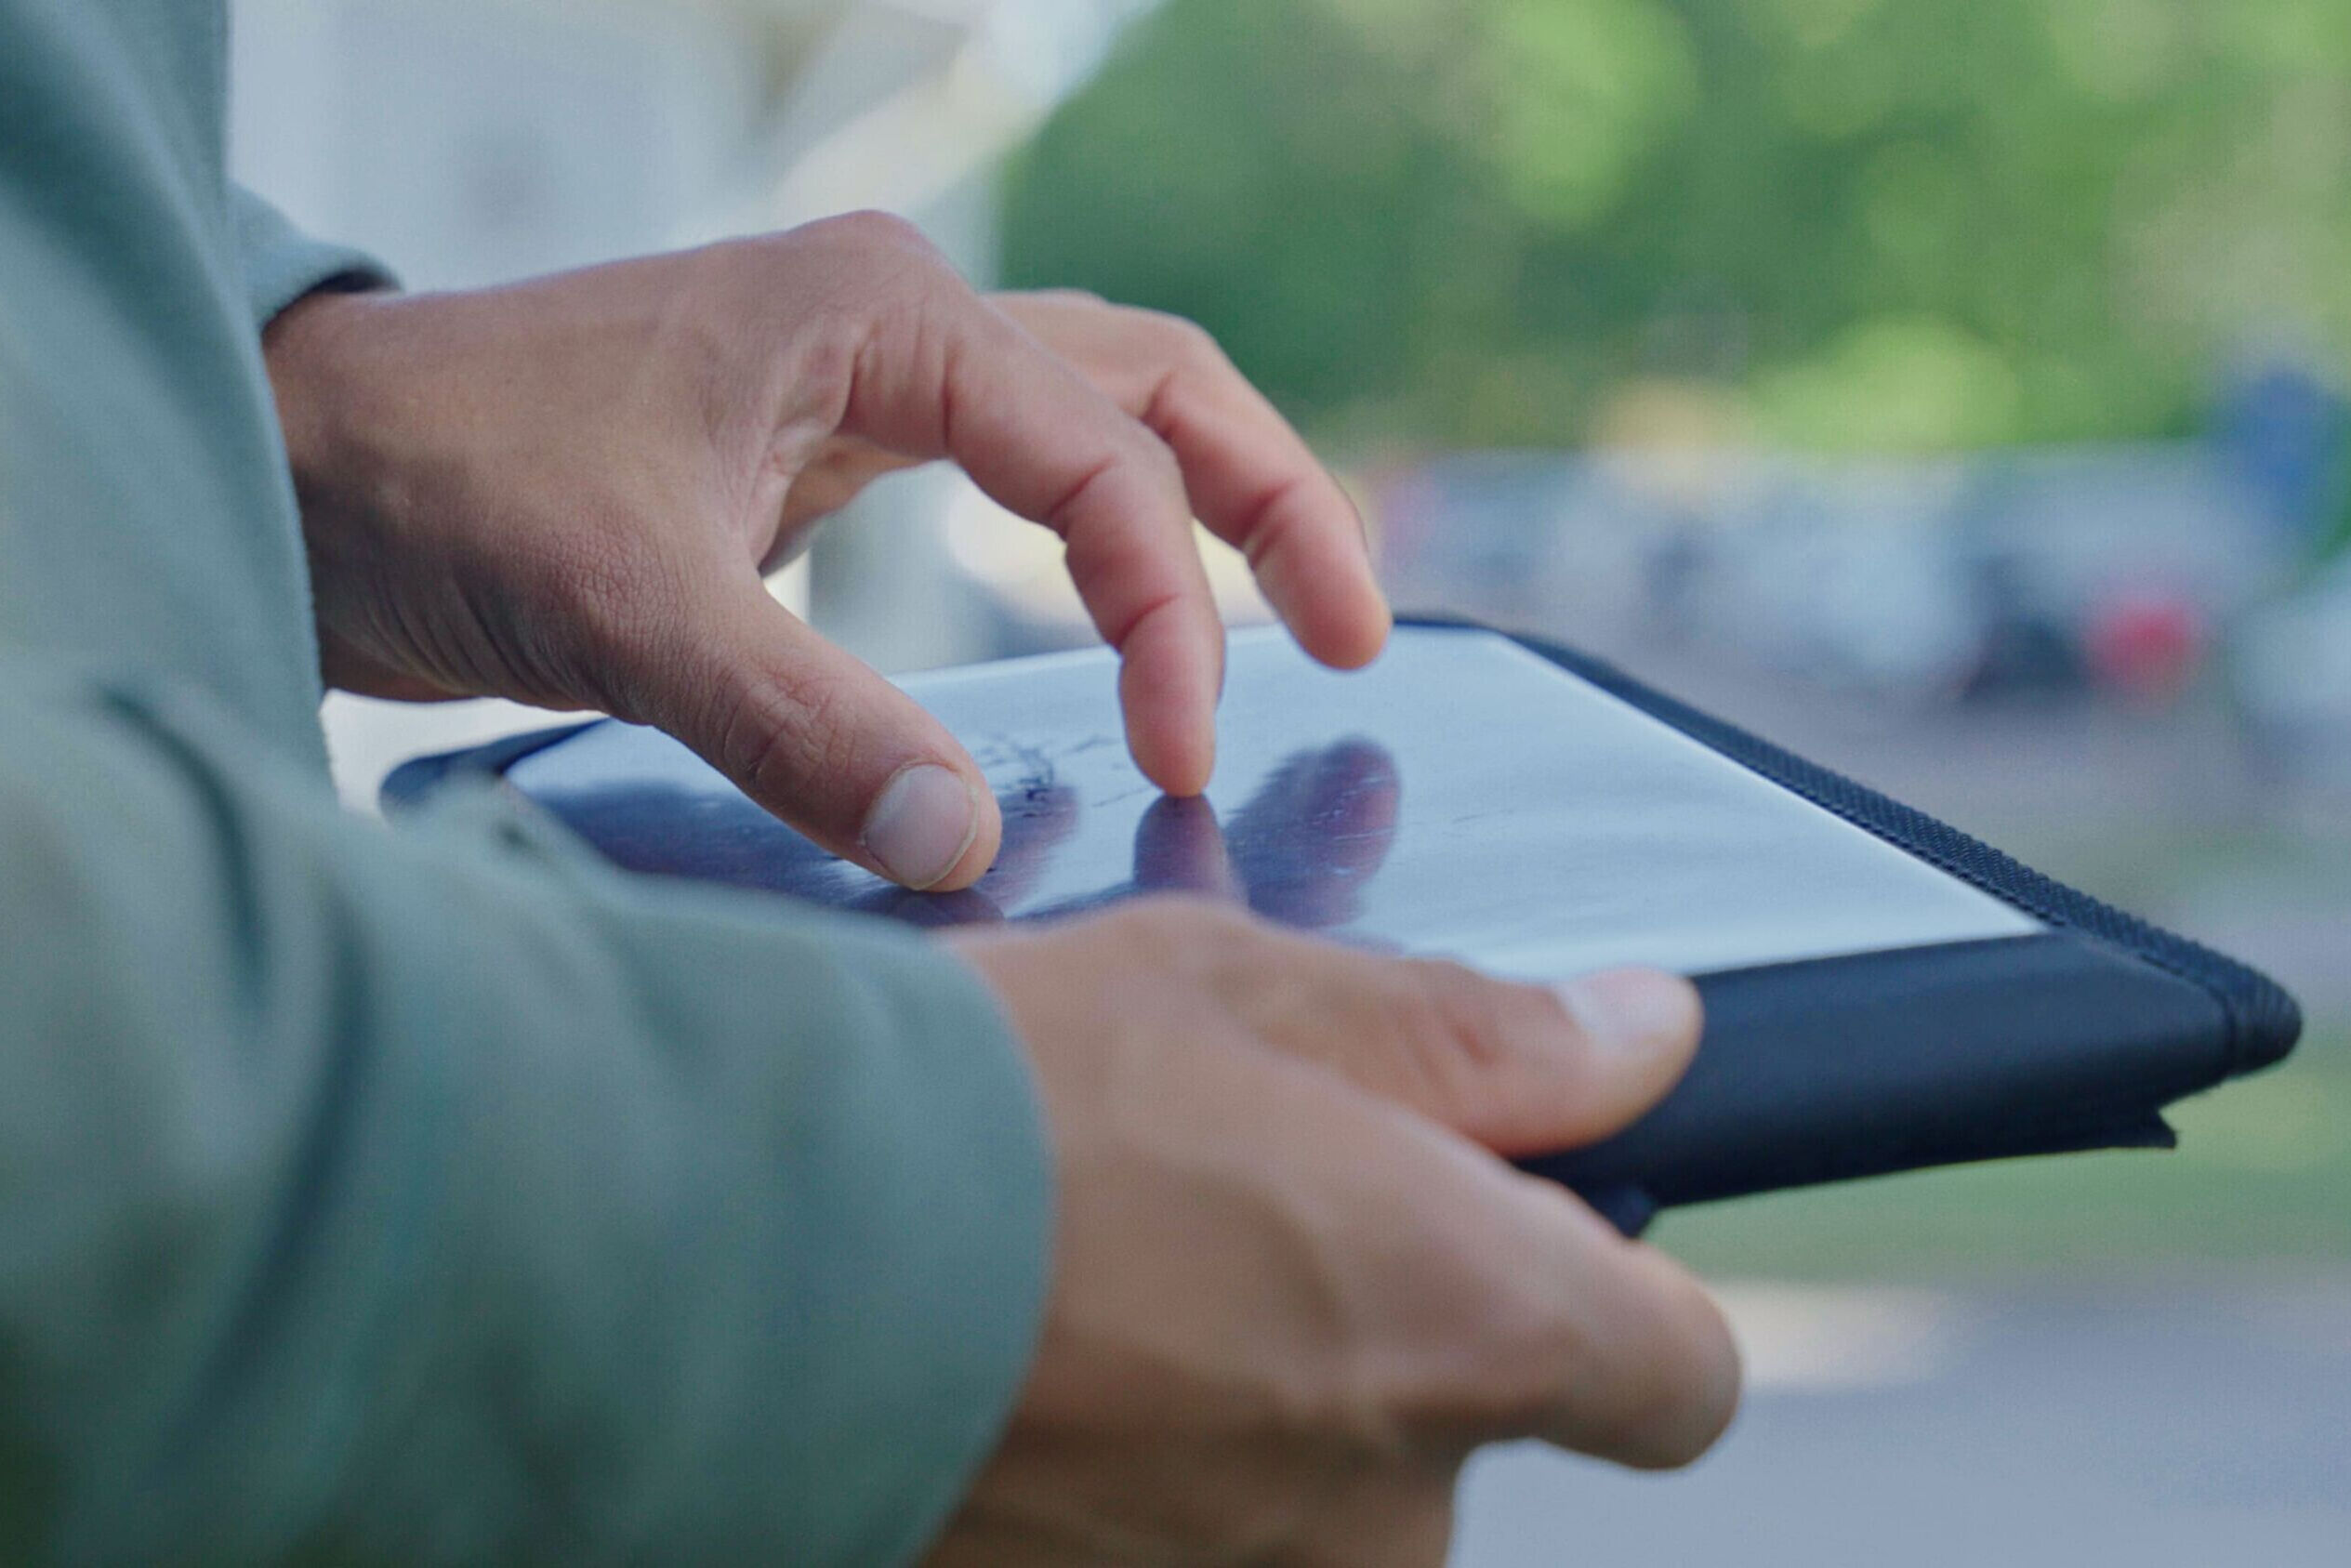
{"x":922,"y":823}
{"x":1631,"y":1012}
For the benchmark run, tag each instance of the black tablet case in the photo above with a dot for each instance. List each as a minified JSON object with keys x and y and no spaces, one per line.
{"x":2072,"y":1037}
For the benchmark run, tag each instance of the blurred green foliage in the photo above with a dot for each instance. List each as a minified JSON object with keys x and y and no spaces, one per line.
{"x":1884,"y":224}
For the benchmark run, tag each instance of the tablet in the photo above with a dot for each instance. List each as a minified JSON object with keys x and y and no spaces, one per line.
{"x":1882,"y":992}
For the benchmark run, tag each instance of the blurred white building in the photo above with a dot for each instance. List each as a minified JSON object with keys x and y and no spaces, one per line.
{"x":470,"y":141}
{"x":474,"y":140}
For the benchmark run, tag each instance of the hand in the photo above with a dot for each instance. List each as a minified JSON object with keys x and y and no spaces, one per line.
{"x":565,"y":493}
{"x":1294,"y":1287}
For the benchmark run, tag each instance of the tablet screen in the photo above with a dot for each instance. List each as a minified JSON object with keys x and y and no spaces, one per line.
{"x":1463,"y":798}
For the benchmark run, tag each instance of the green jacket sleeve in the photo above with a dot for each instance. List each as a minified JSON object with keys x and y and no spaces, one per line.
{"x":280,"y":264}
{"x":437,"y":1196}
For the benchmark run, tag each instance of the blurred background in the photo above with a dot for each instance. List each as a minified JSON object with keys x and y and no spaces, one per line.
{"x":1951,"y":389}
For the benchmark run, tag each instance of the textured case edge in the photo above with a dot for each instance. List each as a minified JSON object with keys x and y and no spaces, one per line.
{"x":2263,"y":1020}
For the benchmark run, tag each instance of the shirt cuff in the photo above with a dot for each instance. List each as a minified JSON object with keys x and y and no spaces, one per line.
{"x":280,"y":264}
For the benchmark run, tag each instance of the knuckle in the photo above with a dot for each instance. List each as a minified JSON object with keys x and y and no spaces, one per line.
{"x":1194,"y":936}
{"x":870,"y":226}
{"x":869,"y":260}
{"x":1188,"y":342}
{"x":873,"y":230}
{"x":1185,"y":919}
{"x":1155,"y":457}
{"x":1454,"y":1021}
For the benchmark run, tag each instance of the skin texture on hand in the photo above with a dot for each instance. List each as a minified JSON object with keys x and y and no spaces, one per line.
{"x":565,"y":492}
{"x":1294,"y":1284}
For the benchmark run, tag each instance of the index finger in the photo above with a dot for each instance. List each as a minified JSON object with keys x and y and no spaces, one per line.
{"x":1535,"y":1318}
{"x":1252,"y":480}
{"x":945,"y":374}
{"x":1640,"y":1368}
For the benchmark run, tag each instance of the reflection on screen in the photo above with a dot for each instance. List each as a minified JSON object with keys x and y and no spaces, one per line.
{"x":1463,"y":796}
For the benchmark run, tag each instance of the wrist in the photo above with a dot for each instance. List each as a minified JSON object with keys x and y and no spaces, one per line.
{"x":308,"y":349}
{"x":334,"y":417}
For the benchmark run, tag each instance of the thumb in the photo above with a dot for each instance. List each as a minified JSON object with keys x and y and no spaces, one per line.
{"x":1527,"y":1069}
{"x":1521,"y":1069}
{"x":820,"y":740}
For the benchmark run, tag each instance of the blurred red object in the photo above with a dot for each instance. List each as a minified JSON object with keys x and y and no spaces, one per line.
{"x":2144,"y":645}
